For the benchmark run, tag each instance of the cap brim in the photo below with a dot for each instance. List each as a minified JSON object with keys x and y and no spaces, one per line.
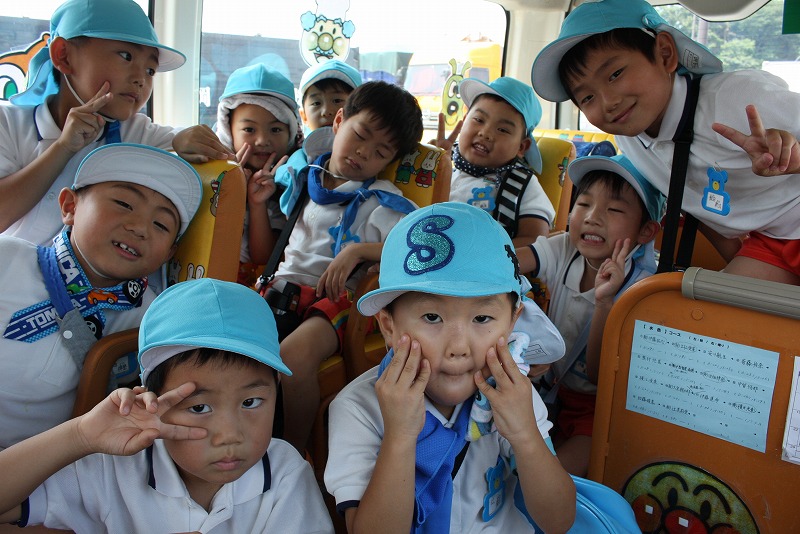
{"x":168,"y":58}
{"x":544,"y":72}
{"x":471,"y":89}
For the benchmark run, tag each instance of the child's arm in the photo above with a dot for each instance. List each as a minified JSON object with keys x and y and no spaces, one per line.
{"x":124,"y":423}
{"x":199,"y":144}
{"x":529,"y":229}
{"x":332,"y":281}
{"x":22,"y":190}
{"x":260,"y":187}
{"x":388,"y":502}
{"x":527,"y":259}
{"x":610,"y":277}
{"x":773,"y":152}
{"x":551,"y":505}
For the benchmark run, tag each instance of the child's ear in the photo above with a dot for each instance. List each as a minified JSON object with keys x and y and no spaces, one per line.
{"x":386,"y":324}
{"x":67,"y":200}
{"x":524,"y":146}
{"x":666,"y":52}
{"x":302,"y":114}
{"x":648,"y":232}
{"x":338,"y":120}
{"x":59,"y":55}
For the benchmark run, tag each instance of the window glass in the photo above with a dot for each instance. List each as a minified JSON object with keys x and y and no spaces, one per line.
{"x":752,"y":43}
{"x":409,"y":43}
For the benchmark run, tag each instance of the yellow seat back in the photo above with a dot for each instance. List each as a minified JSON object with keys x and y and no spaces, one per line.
{"x":421,"y":175}
{"x":556,"y":156}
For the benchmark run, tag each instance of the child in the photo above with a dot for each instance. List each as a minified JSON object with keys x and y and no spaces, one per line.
{"x":616,"y":210}
{"x":192,"y":451}
{"x":447,"y":318}
{"x":343,"y":224}
{"x":127,"y":207}
{"x":85,"y":89}
{"x":324,"y":88}
{"x":627,"y":70}
{"x":257,"y":118}
{"x":495,"y":139}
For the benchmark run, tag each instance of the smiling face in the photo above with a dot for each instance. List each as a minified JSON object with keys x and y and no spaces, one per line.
{"x":601,"y":217}
{"x":320,"y":105}
{"x":129,"y":68}
{"x":119,"y":229}
{"x":454,"y":334}
{"x":258,"y":127}
{"x":361,"y":149}
{"x":622,"y":92}
{"x":493,"y":133}
{"x":235,"y":402}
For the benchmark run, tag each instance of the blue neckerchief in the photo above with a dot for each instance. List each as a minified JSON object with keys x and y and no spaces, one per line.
{"x":437,"y":448}
{"x":353,"y":199}
{"x":476,"y":170}
{"x":59,"y":266}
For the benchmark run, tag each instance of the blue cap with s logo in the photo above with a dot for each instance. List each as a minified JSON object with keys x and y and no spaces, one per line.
{"x":451,"y":249}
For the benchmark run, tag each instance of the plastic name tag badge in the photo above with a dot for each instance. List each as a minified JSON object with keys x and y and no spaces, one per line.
{"x":715,"y":199}
{"x":495,"y":496}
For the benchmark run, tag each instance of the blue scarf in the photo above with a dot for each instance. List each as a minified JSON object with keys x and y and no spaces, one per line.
{"x":476,"y":170}
{"x":437,"y":449}
{"x":353,"y":200}
{"x":59,"y":266}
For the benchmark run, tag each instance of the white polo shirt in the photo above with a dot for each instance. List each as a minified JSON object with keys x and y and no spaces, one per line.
{"x":27,"y":131}
{"x":38,"y":380}
{"x":767,"y":205}
{"x":356,"y":431}
{"x":144,"y":493}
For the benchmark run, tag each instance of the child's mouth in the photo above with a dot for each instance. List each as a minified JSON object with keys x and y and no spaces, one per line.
{"x":126,"y":248}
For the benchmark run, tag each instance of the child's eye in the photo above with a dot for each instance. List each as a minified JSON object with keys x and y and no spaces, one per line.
{"x":379,"y":154}
{"x":200,"y":408}
{"x":338,"y":101}
{"x":277,"y":129}
{"x":248,"y":129}
{"x":123,"y":204}
{"x":431,"y":318}
{"x":585,"y":100}
{"x":615,"y":75}
{"x":151,"y":72}
{"x":161,"y":226}
{"x":252,"y":403}
{"x":582,"y":204}
{"x":503,"y":130}
{"x":127,"y":56}
{"x":482,"y":319}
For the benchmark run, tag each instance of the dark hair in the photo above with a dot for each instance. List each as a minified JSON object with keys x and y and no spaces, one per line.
{"x":498,"y":98}
{"x":395,"y":109}
{"x":513,"y":298}
{"x":573,"y":63}
{"x":615,"y":183}
{"x":199,"y":357}
{"x":329,"y":84}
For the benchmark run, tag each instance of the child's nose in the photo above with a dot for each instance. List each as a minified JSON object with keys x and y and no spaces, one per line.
{"x":226,"y":431}
{"x":458,"y":343}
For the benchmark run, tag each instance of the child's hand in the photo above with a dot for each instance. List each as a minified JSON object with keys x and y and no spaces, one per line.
{"x":199,"y":144}
{"x":611,"y":274}
{"x":446,"y":142}
{"x":332,"y":282}
{"x":260,"y":184}
{"x":83,"y":124}
{"x":401,"y":390}
{"x":773,"y":152}
{"x":128,"y":421}
{"x":512,"y":399}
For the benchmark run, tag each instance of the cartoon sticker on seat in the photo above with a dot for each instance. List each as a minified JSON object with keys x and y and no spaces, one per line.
{"x":452,"y":104}
{"x":673,"y":497}
{"x":426,"y":175}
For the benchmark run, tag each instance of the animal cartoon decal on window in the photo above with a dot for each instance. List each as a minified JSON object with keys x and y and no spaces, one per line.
{"x":14,"y":68}
{"x":452,"y":104}
{"x":326,"y":33}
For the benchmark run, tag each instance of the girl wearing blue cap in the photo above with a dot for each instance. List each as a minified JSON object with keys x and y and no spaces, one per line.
{"x":257,"y":119}
{"x":633,"y":75}
{"x":85,"y":90}
{"x":192,"y":451}
{"x":609,"y":246}
{"x":446,"y":435}
{"x":495,"y":156}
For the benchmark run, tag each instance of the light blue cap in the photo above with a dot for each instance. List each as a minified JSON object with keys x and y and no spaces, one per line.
{"x":145,"y":165}
{"x":116,"y":20}
{"x":331,"y":69}
{"x":449,"y":248}
{"x":519,"y":96}
{"x":212,"y":314}
{"x":619,"y":164}
{"x":259,"y":79}
{"x":599,"y":16}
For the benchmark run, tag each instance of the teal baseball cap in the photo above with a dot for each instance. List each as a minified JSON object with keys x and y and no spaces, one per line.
{"x":449,"y":248}
{"x":212,"y":314}
{"x":519,"y":96}
{"x":593,"y":17}
{"x":331,"y":69}
{"x":115,"y":20}
{"x":259,"y":79}
{"x":619,"y":164}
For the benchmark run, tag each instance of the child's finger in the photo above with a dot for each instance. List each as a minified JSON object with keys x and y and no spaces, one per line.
{"x":754,"y":120}
{"x":244,"y":154}
{"x":396,"y":366}
{"x":731,"y":134}
{"x":180,"y":432}
{"x":99,"y":100}
{"x":175,"y":396}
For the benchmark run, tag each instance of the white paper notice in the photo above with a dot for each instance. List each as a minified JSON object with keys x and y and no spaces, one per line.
{"x":791,"y":435}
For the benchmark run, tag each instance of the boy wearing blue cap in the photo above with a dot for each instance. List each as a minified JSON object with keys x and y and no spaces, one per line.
{"x":446,"y":435}
{"x":609,"y":246}
{"x":126,"y":209}
{"x":84,"y":90}
{"x":192,"y":450}
{"x":257,"y":119}
{"x":341,"y":226}
{"x":495,"y":154}
{"x":633,"y":75}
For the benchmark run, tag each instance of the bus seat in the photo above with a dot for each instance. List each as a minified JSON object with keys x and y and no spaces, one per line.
{"x":696,"y":374}
{"x":206,"y":250}
{"x":576,"y":135}
{"x":703,"y":254}
{"x":556,"y":156}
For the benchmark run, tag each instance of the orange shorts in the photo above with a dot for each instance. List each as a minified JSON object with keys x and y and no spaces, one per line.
{"x":575,"y":414}
{"x":783,"y":253}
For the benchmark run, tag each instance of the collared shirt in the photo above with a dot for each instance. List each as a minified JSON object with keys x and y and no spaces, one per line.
{"x":144,"y":493}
